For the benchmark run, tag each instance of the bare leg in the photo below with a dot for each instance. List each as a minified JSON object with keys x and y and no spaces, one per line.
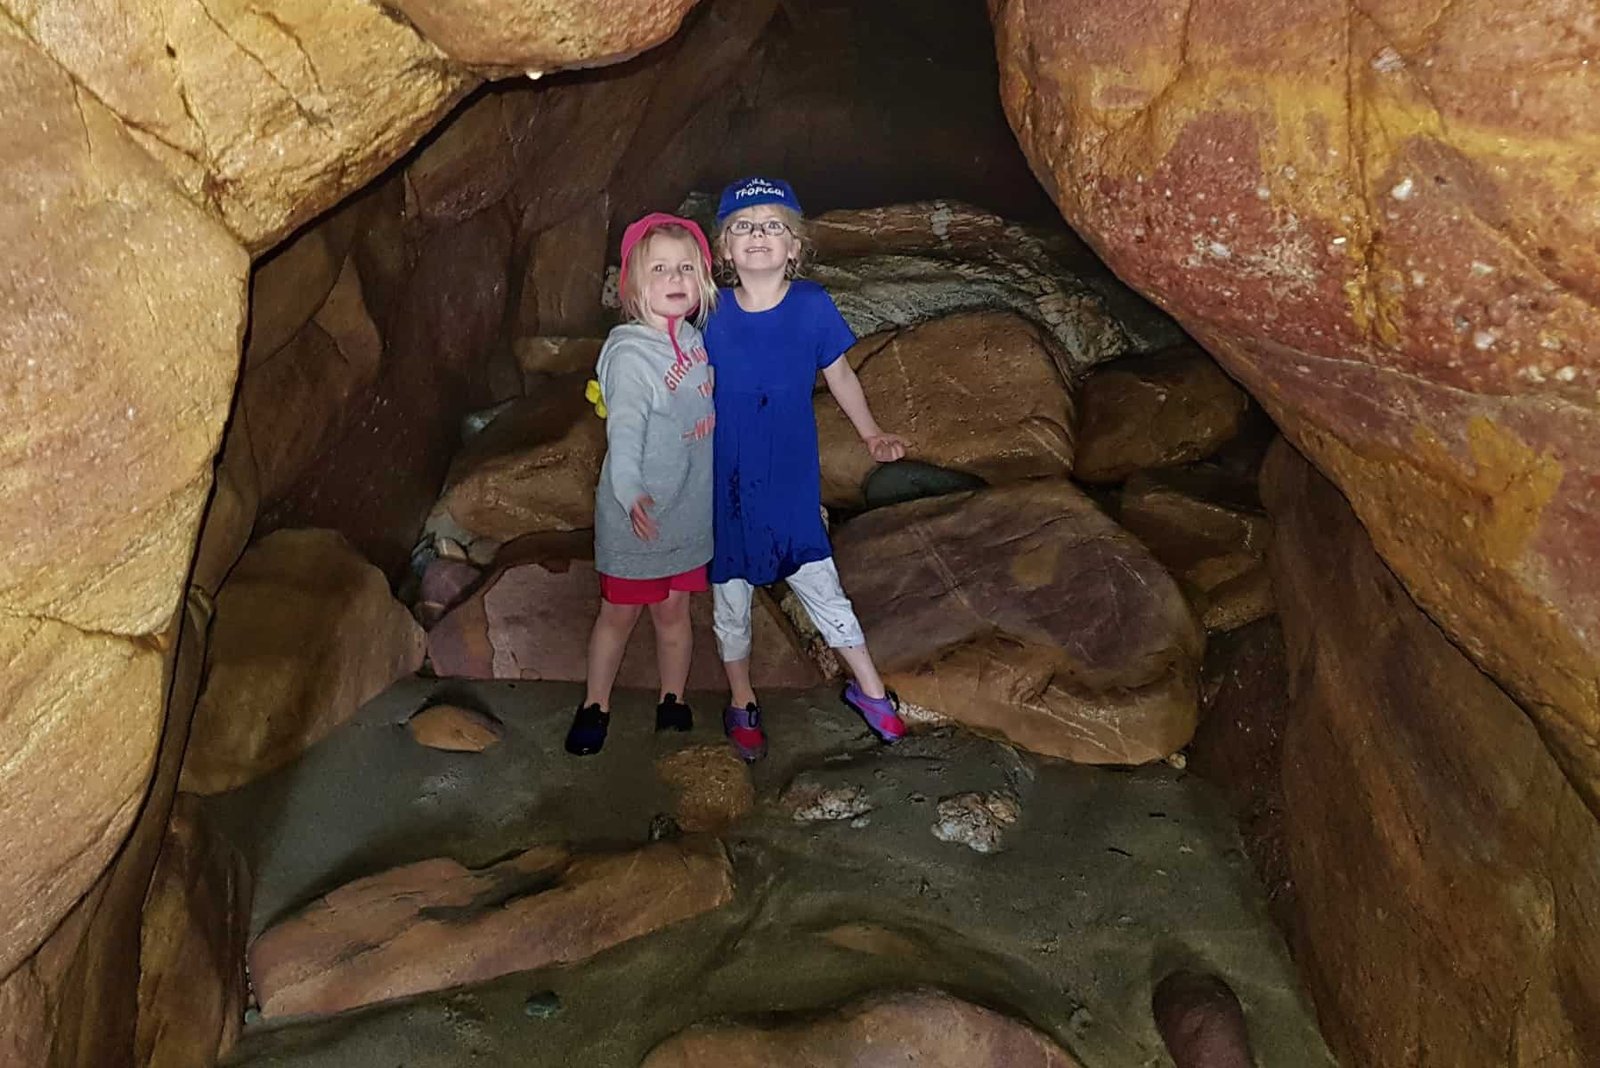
{"x":863,"y":670}
{"x":607,"y":642}
{"x":739,"y":689}
{"x":674,"y":642}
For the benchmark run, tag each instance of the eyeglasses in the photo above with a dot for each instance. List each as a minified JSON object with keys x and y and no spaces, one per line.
{"x":744,"y":227}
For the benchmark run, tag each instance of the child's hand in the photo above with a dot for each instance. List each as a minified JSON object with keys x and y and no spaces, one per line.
{"x":644,"y":528}
{"x":886,"y":448}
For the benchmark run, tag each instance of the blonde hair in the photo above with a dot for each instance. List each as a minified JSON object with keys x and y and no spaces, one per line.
{"x":803,"y":248}
{"x":633,"y":301}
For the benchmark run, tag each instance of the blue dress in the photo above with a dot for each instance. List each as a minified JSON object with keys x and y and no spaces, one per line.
{"x":767,"y":493}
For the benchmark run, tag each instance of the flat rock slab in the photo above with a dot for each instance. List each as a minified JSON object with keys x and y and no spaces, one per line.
{"x":1023,"y":611}
{"x":922,"y":1028}
{"x":531,"y":620}
{"x":435,"y":924}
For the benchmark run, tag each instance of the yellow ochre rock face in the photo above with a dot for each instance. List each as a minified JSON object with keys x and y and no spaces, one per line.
{"x":1394,"y":251}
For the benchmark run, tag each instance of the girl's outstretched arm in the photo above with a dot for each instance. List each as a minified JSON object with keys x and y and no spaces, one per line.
{"x":846,"y":389}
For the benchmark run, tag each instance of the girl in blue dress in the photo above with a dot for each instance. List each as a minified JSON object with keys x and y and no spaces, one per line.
{"x":767,"y":340}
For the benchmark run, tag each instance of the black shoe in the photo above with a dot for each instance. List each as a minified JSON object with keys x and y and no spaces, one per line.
{"x":673,"y":715}
{"x":587,"y":735}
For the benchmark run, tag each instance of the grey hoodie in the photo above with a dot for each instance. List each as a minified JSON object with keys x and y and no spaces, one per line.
{"x":659,"y":419}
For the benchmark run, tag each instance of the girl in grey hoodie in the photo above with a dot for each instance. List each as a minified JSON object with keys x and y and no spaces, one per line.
{"x":652,"y":509}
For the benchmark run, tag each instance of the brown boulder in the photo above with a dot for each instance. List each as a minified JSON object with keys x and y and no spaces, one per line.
{"x":267,"y":120}
{"x":115,"y":394}
{"x":191,"y":958}
{"x":533,"y":469}
{"x":1211,"y":534}
{"x":712,"y":785}
{"x":926,"y":1028}
{"x":531,"y":620}
{"x":539,"y":36}
{"x":455,"y":729}
{"x":468,"y":165}
{"x":1154,"y":411}
{"x":306,"y":631}
{"x":977,"y":393}
{"x":435,"y":925}
{"x":1395,"y":254}
{"x":1023,"y":611}
{"x":565,"y":272}
{"x":80,"y":727}
{"x":1439,"y":855}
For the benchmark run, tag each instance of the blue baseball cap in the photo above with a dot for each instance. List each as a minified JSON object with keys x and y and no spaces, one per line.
{"x":748,"y":192}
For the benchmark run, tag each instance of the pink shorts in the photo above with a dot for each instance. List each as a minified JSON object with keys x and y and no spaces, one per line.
{"x":652,"y":590}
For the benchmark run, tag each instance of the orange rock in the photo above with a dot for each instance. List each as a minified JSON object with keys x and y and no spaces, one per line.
{"x":538,"y":36}
{"x":455,"y":729}
{"x":1396,"y":255}
{"x":1439,"y":855}
{"x":713,"y":786}
{"x":927,"y":1028}
{"x":531,"y":620}
{"x":1023,"y":611}
{"x":976,"y":392}
{"x":306,"y":631}
{"x":435,"y":925}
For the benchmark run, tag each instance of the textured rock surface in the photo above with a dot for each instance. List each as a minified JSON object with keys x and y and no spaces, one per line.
{"x":538,"y":36}
{"x":1397,"y":257}
{"x":532,"y":470}
{"x":1154,"y":411}
{"x":82,"y":982}
{"x":268,"y":118}
{"x":712,"y":785}
{"x":122,"y":388}
{"x":944,"y":258}
{"x":1439,"y":855}
{"x":1024,"y":611}
{"x":435,"y":924}
{"x":80,"y":726}
{"x":976,"y":393}
{"x":1209,"y":531}
{"x":191,"y":958}
{"x":926,"y":1028}
{"x":531,"y":620}
{"x":455,"y":728}
{"x":306,"y":631}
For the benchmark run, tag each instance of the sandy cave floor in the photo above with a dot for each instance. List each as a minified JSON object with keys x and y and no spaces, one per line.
{"x":1111,"y":878}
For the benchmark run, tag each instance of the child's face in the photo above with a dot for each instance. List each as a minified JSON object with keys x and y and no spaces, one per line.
{"x":670,"y":272}
{"x":759,"y":251}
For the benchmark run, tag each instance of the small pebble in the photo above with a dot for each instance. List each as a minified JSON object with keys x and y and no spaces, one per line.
{"x":860,"y":822}
{"x":543,"y":1005}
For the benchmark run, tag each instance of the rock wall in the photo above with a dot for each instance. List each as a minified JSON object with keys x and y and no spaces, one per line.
{"x":1445,"y":871}
{"x":153,"y":148}
{"x":1394,"y":253}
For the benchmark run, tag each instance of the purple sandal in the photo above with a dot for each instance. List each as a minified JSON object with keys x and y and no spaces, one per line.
{"x":881,"y":713}
{"x":743,"y":728}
